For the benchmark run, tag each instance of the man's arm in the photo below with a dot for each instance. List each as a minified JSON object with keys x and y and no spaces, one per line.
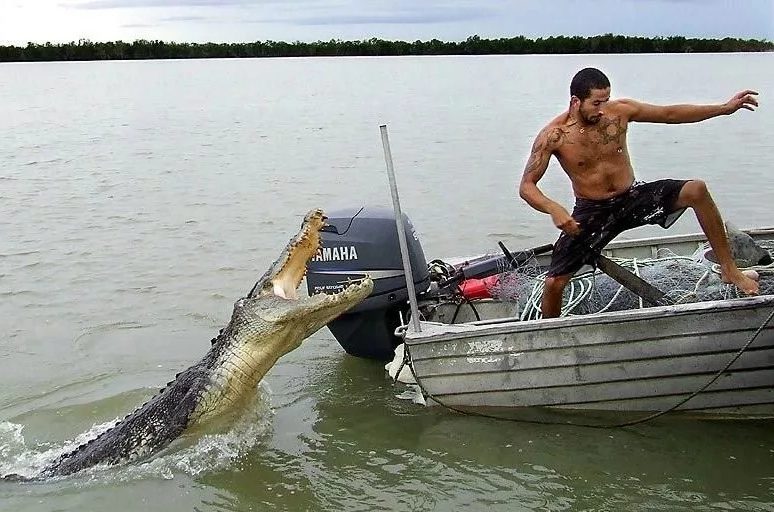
{"x":673,"y":114}
{"x":536,"y":167}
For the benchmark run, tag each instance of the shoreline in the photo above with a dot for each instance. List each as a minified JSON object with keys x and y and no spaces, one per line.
{"x":607,"y":44}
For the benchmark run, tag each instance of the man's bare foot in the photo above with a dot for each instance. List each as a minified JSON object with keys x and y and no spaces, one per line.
{"x":746,"y":281}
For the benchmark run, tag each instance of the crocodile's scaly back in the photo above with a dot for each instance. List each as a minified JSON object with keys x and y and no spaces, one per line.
{"x":148,"y":429}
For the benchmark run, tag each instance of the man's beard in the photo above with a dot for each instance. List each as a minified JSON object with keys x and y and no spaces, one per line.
{"x":591,"y":119}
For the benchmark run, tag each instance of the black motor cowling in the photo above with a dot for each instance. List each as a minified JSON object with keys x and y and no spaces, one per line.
{"x":362,"y":241}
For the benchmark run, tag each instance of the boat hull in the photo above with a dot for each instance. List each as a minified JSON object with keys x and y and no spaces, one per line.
{"x":642,"y":360}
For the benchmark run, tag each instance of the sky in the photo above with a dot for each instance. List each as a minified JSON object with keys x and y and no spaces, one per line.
{"x":59,"y":21}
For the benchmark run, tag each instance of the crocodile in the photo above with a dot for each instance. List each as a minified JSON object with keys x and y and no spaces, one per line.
{"x":270,"y":321}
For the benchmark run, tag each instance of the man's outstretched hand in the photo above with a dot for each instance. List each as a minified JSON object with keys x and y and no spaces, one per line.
{"x":744,"y":99}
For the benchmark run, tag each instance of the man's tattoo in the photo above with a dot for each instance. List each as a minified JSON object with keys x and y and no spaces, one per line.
{"x":536,"y":157}
{"x":558,"y":137}
{"x":611,"y":130}
{"x":544,"y":145}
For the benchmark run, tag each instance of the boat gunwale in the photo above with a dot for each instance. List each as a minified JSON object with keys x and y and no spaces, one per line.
{"x":437,"y":331}
{"x":679,"y":238}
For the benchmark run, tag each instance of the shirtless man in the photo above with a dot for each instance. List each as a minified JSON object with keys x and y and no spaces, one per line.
{"x":589,"y":140}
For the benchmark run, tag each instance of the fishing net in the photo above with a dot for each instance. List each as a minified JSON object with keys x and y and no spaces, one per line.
{"x":683,"y":279}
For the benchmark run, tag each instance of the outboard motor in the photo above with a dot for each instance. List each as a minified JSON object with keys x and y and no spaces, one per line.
{"x":362,"y":241}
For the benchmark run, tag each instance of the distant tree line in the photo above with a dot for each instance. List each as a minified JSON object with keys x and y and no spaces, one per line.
{"x":473,"y":45}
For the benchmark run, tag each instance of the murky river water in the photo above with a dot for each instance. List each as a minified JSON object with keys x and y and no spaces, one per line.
{"x":139,"y":200}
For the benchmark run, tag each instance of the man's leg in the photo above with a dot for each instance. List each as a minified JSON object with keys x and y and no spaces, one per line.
{"x":694,"y":194}
{"x":552,"y":295}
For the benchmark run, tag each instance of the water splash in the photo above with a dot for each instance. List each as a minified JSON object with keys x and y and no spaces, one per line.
{"x":192,"y":456}
{"x":18,"y":458}
{"x":209,"y":453}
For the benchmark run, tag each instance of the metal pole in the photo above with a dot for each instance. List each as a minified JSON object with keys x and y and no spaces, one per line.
{"x":401,"y":233}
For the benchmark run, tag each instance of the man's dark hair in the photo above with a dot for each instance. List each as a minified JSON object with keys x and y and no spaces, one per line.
{"x":587,"y":79}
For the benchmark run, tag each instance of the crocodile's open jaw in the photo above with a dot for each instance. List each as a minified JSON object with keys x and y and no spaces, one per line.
{"x":285,"y":275}
{"x":301,"y":249}
{"x":280,"y":283}
{"x":275,"y":294}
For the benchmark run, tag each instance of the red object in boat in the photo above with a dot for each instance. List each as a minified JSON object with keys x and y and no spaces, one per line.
{"x":478,"y":288}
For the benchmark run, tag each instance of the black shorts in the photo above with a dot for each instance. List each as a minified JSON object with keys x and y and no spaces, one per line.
{"x":601,"y":221}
